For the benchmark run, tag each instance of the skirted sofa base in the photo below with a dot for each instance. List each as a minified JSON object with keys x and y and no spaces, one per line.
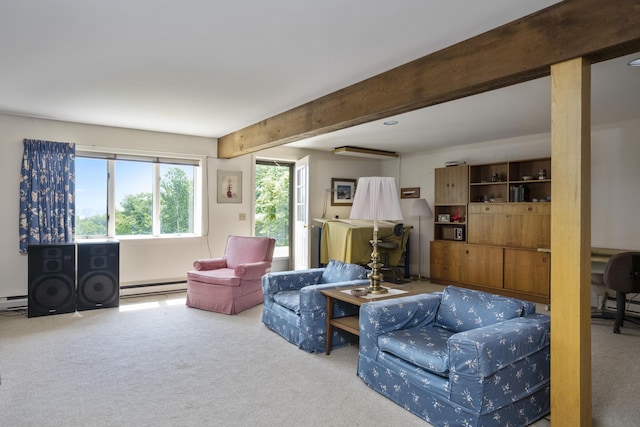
{"x":228,"y":300}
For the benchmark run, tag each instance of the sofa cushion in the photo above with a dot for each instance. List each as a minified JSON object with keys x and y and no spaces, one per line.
{"x":425,"y":347}
{"x":221,"y":276}
{"x":338,"y":271}
{"x":465,"y":309}
{"x":288,"y":299}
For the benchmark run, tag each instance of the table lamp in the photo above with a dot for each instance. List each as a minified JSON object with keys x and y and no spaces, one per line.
{"x":420,"y":208}
{"x":376,"y":199}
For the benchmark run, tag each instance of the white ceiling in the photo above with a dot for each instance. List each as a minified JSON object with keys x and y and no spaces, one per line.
{"x":211,"y":67}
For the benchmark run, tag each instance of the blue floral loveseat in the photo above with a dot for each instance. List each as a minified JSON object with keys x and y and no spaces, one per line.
{"x":295,"y":309}
{"x":459,"y":357}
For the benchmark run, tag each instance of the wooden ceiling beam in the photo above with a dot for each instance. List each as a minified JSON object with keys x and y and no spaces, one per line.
{"x":516,"y":52}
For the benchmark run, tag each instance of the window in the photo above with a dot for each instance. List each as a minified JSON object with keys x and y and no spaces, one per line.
{"x":91,"y":197}
{"x":135,"y":196}
{"x":273,"y":203}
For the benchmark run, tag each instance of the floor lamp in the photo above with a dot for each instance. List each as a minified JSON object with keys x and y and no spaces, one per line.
{"x":420,"y":208}
{"x":376,"y":199}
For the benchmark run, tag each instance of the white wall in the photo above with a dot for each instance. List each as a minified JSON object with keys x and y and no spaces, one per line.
{"x":615,"y":154}
{"x":615,"y":185}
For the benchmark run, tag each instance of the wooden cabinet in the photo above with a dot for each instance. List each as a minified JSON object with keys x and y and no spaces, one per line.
{"x":520,"y":181}
{"x":521,"y":225}
{"x":482,"y":265}
{"x":446,"y":261}
{"x":451,"y":186}
{"x":506,"y":224}
{"x":451,"y":194}
{"x":488,"y":182}
{"x":527,"y":271}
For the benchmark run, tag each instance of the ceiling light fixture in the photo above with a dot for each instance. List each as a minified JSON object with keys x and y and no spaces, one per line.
{"x":390,"y":123}
{"x":634,"y":63}
{"x":363,"y":152}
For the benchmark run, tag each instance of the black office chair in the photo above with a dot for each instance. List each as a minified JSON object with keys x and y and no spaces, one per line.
{"x":393,"y":243}
{"x":622,"y":275}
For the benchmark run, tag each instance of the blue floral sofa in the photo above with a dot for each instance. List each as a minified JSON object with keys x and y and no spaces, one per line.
{"x":295,"y":309}
{"x":459,"y":357}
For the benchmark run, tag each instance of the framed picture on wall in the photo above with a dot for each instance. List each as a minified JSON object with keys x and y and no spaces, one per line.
{"x":410,"y":193}
{"x":343,"y":191}
{"x":229,"y":186}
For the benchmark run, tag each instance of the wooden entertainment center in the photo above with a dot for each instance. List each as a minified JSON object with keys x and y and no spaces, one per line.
{"x":492,"y":228}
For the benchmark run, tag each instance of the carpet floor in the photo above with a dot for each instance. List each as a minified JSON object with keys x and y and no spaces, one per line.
{"x":155,"y":362}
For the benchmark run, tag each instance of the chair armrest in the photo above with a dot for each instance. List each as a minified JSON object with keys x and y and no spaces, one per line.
{"x":484,"y":351}
{"x":279,"y":281}
{"x":252,"y":270}
{"x":379,"y":317}
{"x":210,"y":264}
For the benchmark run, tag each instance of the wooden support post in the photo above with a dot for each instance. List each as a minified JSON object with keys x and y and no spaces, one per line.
{"x":571,"y":244}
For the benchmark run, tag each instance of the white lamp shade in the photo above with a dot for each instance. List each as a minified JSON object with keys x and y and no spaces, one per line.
{"x":377,"y":198}
{"x":420,"y":207}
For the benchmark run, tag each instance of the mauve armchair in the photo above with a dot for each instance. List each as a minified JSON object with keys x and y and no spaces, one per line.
{"x":231,"y":283}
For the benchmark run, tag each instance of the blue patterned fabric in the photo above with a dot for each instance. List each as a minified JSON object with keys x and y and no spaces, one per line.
{"x":425,"y":347}
{"x":338,"y":271}
{"x":47,"y":187}
{"x":493,"y":375}
{"x":464,"y":309}
{"x":295,"y":309}
{"x":288,"y":299}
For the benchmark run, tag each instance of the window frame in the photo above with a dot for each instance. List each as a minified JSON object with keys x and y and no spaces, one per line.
{"x":157,"y":160}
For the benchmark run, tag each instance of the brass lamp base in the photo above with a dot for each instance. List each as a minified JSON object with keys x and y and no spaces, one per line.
{"x":378,"y":290}
{"x":375,"y":277}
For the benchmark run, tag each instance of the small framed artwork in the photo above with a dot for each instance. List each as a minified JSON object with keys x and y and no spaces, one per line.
{"x":444,"y":217}
{"x":343,"y":191}
{"x":229,"y":187}
{"x":410,"y":193}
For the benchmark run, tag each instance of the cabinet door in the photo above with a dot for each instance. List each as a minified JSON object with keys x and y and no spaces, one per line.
{"x":528,"y":231}
{"x":446,"y":260}
{"x":451,"y":185}
{"x":482,"y":265}
{"x":527,"y":271}
{"x":511,"y":225}
{"x":487,"y":228}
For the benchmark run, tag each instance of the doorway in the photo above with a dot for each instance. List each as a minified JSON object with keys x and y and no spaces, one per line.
{"x":273,"y":207}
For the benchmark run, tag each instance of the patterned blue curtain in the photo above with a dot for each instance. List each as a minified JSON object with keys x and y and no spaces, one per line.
{"x":47,"y":186}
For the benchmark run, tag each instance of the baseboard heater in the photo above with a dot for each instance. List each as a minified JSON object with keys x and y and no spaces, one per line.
{"x":153,"y":288}
{"x":14,"y":303}
{"x":20,"y":302}
{"x":631,"y":306}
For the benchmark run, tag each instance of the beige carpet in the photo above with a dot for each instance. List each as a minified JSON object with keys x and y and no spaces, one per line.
{"x":155,"y":362}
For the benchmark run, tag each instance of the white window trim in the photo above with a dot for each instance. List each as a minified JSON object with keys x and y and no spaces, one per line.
{"x":158,"y":158}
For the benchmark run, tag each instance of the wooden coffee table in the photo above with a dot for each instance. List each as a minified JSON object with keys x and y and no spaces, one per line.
{"x":351,"y":323}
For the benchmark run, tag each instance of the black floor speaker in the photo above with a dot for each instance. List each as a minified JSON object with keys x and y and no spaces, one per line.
{"x":52,"y":279}
{"x":98,"y":275}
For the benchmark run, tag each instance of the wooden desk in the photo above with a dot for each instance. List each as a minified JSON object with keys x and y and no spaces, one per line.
{"x":352,"y":323}
{"x":600,"y":257}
